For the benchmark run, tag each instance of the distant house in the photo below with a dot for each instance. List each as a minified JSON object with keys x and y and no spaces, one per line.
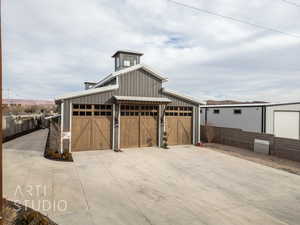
{"x":128,"y":108}
{"x":282,"y":120}
{"x":25,"y":102}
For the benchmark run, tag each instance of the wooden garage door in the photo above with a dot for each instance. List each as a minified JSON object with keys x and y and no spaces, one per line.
{"x":179,"y":125}
{"x":139,"y":126}
{"x":91,"y":127}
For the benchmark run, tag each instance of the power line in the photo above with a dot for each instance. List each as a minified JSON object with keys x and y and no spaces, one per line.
{"x":291,"y":3}
{"x":234,"y":19}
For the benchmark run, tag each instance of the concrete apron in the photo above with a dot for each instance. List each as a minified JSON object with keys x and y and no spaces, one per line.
{"x":182,"y":185}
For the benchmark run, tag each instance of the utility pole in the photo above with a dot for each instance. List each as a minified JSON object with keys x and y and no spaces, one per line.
{"x":1,"y":150}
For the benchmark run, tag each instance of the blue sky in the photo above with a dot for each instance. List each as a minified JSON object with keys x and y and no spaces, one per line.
{"x":52,"y":47}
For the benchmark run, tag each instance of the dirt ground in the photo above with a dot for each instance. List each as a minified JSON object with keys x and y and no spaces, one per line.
{"x":267,"y":160}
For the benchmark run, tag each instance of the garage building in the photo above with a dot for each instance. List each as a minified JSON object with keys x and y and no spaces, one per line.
{"x":279,"y":119}
{"x":128,"y":108}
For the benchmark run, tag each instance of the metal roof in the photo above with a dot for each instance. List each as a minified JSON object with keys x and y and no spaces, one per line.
{"x":87,"y":92}
{"x":235,"y":105}
{"x":185,"y":97}
{"x":284,"y":103}
{"x":249,"y":105}
{"x":129,"y":69}
{"x":127,"y":52}
{"x":142,"y":99}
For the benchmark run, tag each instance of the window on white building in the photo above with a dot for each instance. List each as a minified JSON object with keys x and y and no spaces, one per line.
{"x":216,"y":111}
{"x":237,"y":111}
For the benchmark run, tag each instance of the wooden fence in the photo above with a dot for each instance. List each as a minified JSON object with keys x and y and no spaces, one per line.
{"x":281,"y":147}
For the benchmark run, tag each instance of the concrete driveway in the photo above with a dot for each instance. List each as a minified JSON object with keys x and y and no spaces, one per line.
{"x":151,"y":186}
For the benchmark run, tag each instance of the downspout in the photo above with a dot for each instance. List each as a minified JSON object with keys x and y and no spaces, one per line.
{"x":263,"y":119}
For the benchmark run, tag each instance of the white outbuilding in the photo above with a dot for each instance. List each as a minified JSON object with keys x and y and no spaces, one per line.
{"x":279,"y":119}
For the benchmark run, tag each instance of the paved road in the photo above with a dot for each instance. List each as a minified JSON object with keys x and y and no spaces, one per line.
{"x":34,"y":141}
{"x":183,"y":185}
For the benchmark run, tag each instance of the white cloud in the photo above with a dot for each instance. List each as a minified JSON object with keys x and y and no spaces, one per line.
{"x":52,"y":47}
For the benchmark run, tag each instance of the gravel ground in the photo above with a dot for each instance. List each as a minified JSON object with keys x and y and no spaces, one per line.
{"x":17,"y":214}
{"x":267,"y":160}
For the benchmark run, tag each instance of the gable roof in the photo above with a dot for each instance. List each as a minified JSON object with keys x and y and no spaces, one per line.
{"x":129,"y":69}
{"x":87,"y":92}
{"x":185,"y":97}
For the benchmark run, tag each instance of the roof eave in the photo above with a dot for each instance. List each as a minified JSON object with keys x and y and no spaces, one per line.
{"x":87,"y":92}
{"x":127,"y":52}
{"x":187,"y":98}
{"x":235,"y":105}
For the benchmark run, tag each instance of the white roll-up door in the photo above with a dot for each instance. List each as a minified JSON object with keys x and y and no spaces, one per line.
{"x":287,"y":124}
